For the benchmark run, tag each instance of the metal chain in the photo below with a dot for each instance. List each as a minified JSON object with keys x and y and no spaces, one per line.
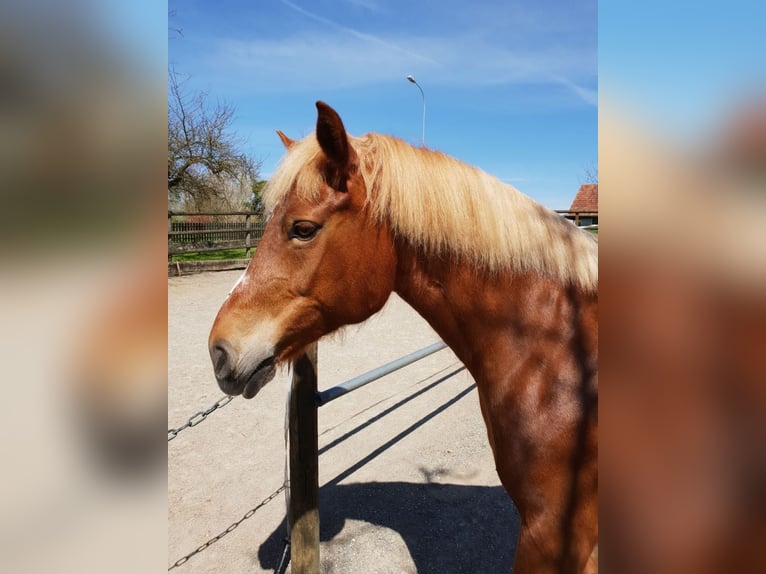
{"x":231,"y":527}
{"x":197,"y":418}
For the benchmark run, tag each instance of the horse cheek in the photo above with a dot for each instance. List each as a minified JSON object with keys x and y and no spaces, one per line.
{"x":363,"y":282}
{"x":377,"y":275}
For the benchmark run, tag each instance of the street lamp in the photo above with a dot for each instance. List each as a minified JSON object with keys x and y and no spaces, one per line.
{"x":423,"y":136}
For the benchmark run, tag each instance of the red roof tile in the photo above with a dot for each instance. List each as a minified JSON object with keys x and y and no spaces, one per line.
{"x":586,"y":198}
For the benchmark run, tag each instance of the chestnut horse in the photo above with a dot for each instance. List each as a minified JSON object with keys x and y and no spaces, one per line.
{"x":510,"y":286}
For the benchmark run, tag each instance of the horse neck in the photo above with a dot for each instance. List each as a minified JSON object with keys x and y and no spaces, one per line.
{"x":488,"y":319}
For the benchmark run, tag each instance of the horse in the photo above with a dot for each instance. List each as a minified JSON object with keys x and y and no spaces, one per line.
{"x":509,"y":285}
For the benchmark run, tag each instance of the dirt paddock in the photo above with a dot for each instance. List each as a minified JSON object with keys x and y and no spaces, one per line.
{"x":407,"y":480}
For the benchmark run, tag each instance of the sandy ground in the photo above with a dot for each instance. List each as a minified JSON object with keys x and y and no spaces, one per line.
{"x":407,"y":480}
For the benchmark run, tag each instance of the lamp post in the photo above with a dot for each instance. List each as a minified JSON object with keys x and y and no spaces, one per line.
{"x":423,"y":135}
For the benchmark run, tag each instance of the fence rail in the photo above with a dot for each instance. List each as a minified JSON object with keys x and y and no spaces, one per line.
{"x":352,"y":384}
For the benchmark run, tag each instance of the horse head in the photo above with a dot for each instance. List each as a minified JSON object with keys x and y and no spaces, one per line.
{"x":323,"y":262}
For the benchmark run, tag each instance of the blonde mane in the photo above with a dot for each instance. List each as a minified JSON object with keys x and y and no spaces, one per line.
{"x":448,"y":207}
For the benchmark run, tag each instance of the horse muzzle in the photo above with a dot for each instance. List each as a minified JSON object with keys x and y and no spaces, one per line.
{"x":235,"y":375}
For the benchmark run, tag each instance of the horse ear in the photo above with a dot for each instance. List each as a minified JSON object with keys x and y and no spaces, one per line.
{"x":332,"y":136}
{"x":286,"y":141}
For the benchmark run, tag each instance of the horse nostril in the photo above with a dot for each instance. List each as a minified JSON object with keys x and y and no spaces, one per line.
{"x":223,"y":356}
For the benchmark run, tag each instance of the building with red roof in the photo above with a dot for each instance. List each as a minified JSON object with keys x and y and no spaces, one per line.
{"x":584,"y":208}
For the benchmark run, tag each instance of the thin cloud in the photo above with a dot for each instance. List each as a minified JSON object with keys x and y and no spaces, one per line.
{"x":588,"y":96}
{"x":335,"y":56}
{"x":317,"y":60}
{"x":356,"y":33}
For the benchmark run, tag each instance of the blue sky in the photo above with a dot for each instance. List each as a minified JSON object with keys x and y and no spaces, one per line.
{"x":510,"y":87}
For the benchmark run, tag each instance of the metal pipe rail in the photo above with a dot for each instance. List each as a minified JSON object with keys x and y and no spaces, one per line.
{"x":333,"y":393}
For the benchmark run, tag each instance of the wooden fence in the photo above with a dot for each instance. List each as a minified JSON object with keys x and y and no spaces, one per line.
{"x":204,"y":232}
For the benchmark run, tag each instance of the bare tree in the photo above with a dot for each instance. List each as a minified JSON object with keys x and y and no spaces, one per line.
{"x":203,"y":161}
{"x":590,"y":173}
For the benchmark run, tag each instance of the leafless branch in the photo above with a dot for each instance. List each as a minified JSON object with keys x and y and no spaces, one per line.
{"x":590,"y":173}
{"x":204,"y":164}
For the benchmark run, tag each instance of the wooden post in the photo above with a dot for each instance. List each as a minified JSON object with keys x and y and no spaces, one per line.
{"x":247,"y":235}
{"x":304,"y":466}
{"x":170,"y":228}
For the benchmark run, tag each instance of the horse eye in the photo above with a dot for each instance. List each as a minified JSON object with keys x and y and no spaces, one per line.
{"x":303,"y":230}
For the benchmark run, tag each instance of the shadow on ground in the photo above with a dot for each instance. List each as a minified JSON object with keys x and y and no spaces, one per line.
{"x":447,"y":528}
